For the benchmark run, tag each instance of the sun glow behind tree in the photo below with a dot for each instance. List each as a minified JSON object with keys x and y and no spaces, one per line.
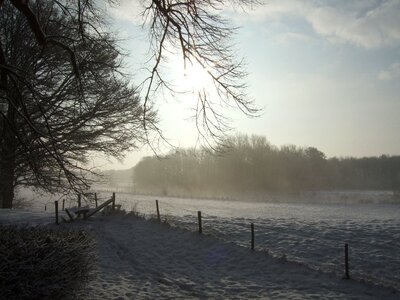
{"x":196,"y":79}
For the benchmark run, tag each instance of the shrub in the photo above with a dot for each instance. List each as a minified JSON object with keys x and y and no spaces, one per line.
{"x":43,"y":262}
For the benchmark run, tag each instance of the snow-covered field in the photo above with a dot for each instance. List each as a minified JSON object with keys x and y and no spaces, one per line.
{"x":311,"y":235}
{"x":140,"y":259}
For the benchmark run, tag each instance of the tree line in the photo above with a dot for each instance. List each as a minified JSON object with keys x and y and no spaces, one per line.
{"x":250,"y":164}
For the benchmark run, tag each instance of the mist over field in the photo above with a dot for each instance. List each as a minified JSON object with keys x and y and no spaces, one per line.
{"x":250,"y":167}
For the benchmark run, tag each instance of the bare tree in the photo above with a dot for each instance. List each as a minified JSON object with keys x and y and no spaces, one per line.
{"x":196,"y":29}
{"x":69,"y":34}
{"x":52,"y":120}
{"x":203,"y":36}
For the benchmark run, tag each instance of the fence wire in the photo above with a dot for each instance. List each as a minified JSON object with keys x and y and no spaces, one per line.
{"x":318,"y":245}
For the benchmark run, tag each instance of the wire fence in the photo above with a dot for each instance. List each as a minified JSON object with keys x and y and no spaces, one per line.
{"x":317,"y":244}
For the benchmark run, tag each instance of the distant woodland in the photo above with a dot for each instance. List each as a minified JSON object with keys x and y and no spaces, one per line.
{"x":250,"y":164}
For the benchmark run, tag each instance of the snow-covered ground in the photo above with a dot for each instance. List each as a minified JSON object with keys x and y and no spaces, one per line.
{"x":311,"y":234}
{"x":140,"y":259}
{"x":25,"y":217}
{"x":373,"y":246}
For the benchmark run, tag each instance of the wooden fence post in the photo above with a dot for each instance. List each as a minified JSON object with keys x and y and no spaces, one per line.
{"x":346,"y":261}
{"x":79,"y":200}
{"x":252,"y":236}
{"x":95,"y":199}
{"x":56,"y":209}
{"x":158,"y":212}
{"x":113,"y":202}
{"x":200,"y":225}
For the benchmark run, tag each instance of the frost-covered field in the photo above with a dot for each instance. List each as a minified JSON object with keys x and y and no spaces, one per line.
{"x":312,"y":234}
{"x":138,"y":259}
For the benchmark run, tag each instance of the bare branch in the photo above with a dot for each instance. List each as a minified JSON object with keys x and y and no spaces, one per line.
{"x":202,"y":36}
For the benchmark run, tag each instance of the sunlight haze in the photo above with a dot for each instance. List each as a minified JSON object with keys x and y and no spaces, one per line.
{"x":327,"y":75}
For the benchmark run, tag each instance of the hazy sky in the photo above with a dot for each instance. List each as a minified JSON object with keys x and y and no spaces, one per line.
{"x":327,"y":74}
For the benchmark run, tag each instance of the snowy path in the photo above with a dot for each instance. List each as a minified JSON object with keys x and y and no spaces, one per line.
{"x":144,"y":260}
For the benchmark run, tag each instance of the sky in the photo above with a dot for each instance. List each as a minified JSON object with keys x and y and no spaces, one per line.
{"x":325,"y":73}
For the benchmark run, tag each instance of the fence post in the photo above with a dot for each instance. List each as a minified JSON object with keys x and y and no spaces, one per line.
{"x":158,"y":212}
{"x":252,"y":236}
{"x":346,"y":261}
{"x":79,"y":200}
{"x":56,"y":209}
{"x":95,"y":199}
{"x":113,"y":202}
{"x":200,"y":225}
{"x":63,"y":204}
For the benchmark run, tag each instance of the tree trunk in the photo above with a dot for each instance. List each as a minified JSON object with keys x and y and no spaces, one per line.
{"x":7,"y":160}
{"x":7,"y":183}
{"x":8,"y":145}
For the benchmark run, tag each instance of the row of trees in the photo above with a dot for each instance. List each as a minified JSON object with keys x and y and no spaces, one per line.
{"x":250,"y":164}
